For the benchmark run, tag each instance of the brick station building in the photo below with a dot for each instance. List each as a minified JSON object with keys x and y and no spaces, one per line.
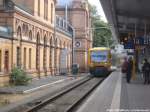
{"x":77,"y":12}
{"x":30,"y":40}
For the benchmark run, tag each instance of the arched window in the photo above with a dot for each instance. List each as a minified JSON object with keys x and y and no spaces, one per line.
{"x":45,"y":41}
{"x":50,"y":56}
{"x":25,"y":57}
{"x":55,"y":54}
{"x":25,"y":29}
{"x":6,"y":60}
{"x":46,"y":9}
{"x":19,"y":33}
{"x":51,"y":41}
{"x":38,"y":7}
{"x":18,"y":50}
{"x":56,"y":43}
{"x":38,"y":51}
{"x":44,"y":53}
{"x":30,"y":56}
{"x":30,"y":35}
{"x":64,"y":45}
{"x":87,"y":19}
{"x":52,"y":10}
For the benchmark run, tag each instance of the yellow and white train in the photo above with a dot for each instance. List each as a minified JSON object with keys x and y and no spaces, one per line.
{"x":99,"y":61}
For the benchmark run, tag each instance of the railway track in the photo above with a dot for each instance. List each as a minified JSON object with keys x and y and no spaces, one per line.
{"x":69,"y":99}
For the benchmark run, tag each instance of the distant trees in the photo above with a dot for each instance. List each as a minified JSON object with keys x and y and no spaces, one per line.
{"x":102,"y":36}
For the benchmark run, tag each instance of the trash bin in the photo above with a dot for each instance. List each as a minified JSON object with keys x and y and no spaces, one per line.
{"x":75,"y":69}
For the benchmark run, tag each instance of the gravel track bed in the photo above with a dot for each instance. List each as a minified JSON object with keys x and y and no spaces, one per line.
{"x":66,"y":100}
{"x":28,"y":105}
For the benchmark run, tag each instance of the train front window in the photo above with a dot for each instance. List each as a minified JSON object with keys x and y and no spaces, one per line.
{"x":99,"y":56}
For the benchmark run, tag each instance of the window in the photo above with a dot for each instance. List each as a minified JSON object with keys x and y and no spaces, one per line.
{"x":50,"y":52}
{"x":18,"y":57}
{"x":38,"y":52}
{"x":52,"y":13}
{"x":24,"y":29}
{"x":38,"y":7}
{"x":25,"y":53}
{"x":46,"y":9}
{"x":50,"y":57}
{"x":87,"y":20}
{"x":30,"y":51}
{"x":44,"y":54}
{"x":55,"y":54}
{"x":30,"y":35}
{"x":6,"y":61}
{"x":0,"y":60}
{"x":19,"y":35}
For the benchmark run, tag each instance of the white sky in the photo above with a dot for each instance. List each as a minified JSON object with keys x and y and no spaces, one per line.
{"x":99,"y":8}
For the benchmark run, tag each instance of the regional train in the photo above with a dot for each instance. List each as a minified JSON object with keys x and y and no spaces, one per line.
{"x":99,"y":61}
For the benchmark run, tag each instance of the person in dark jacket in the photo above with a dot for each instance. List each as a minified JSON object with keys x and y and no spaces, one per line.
{"x":129,"y":69}
{"x":146,"y":70}
{"x":124,"y":65}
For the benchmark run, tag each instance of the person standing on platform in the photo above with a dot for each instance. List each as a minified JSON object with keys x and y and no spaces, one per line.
{"x":124,"y":66}
{"x":129,"y":69}
{"x":146,"y":70}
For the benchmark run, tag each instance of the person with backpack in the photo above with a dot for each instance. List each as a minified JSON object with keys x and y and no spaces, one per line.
{"x":146,"y":70}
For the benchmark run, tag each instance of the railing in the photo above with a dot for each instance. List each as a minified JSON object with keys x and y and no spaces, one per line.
{"x":64,"y":26}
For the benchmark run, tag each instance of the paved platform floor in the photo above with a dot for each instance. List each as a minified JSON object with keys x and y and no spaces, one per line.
{"x":135,"y":95}
{"x":116,"y":95}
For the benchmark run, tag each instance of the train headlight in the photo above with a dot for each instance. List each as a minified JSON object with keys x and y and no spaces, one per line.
{"x":105,"y":63}
{"x":91,"y":64}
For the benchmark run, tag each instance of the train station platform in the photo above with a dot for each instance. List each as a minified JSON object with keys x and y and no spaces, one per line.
{"x":116,"y":95}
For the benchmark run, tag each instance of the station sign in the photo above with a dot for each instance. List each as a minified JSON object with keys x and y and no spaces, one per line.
{"x":142,"y":41}
{"x":129,"y":45}
{"x":138,"y":41}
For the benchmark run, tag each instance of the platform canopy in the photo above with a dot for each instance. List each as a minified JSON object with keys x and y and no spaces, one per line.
{"x":127,"y":16}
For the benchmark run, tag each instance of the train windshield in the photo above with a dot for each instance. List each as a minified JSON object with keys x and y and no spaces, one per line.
{"x":99,"y":56}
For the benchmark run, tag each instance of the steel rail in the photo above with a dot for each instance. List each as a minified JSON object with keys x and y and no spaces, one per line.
{"x":47,"y":101}
{"x":76,"y":104}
